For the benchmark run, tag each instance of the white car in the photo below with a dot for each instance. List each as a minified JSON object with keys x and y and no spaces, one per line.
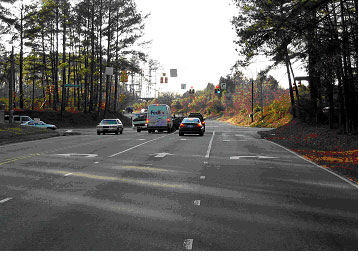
{"x":39,"y":124}
{"x":109,"y":126}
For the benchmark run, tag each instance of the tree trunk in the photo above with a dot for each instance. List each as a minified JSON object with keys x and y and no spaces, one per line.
{"x":21,"y":87}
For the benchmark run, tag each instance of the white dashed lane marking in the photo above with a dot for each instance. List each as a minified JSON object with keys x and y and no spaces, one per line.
{"x":69,"y":174}
{"x":5,"y":200}
{"x":202,"y":177}
{"x":197,"y":202}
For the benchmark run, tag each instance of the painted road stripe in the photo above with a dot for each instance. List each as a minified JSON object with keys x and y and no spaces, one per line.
{"x":118,"y":153}
{"x":19,"y":158}
{"x":210,"y":145}
{"x":69,"y":174}
{"x":205,"y":162}
{"x":5,"y":200}
{"x":96,"y":162}
{"x":197,"y":202}
{"x":202,"y":177}
{"x":235,"y":140}
{"x":187,"y":244}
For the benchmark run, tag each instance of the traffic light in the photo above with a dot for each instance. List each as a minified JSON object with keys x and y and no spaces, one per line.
{"x":191,"y":91}
{"x":166,"y":79}
{"x":161,"y":80}
{"x":217,"y":89}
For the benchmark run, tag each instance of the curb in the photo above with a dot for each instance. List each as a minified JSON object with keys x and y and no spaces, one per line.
{"x":317,"y":165}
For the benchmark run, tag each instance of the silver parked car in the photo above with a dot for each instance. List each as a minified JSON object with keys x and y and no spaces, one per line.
{"x":110,"y":126}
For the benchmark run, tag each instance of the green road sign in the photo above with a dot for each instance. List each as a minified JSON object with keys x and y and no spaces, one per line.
{"x":73,"y":85}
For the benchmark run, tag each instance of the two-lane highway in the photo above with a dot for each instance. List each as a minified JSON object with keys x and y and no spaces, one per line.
{"x":227,"y":190}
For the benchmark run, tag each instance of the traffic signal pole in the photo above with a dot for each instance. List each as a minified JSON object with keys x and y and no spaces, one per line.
{"x":252,"y":100}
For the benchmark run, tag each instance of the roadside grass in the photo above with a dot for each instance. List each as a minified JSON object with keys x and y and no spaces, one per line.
{"x":13,"y":133}
{"x":73,"y":119}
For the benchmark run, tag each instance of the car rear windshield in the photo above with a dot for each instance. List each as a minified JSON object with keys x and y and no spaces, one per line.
{"x":190,"y":120}
{"x":109,"y":122}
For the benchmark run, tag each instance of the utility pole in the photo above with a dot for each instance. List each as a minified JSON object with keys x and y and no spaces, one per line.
{"x":291,"y":90}
{"x":11,"y":86}
{"x":252,"y":100}
{"x":261,"y":81}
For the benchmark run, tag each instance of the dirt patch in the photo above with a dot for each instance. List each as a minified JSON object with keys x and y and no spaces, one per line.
{"x":326,"y":147}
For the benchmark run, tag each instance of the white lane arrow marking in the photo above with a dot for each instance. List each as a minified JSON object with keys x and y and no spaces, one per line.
{"x":68,"y":131}
{"x":161,"y":155}
{"x":187,"y":244}
{"x":77,"y":154}
{"x":257,"y":157}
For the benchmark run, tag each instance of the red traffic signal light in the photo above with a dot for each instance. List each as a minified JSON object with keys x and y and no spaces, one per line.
{"x":166,"y":79}
{"x":161,"y":80}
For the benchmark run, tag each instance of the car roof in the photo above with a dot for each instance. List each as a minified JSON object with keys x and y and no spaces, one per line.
{"x":190,"y":118}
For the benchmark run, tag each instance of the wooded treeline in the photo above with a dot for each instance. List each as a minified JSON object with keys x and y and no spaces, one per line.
{"x":323,"y":34}
{"x":59,"y":42}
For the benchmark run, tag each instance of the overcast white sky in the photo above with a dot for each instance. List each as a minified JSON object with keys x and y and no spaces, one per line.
{"x":196,"y":37}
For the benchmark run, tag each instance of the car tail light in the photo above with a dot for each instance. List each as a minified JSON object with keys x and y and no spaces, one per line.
{"x":168,"y":120}
{"x":147,"y":120}
{"x":203,"y":122}
{"x":181,"y":125}
{"x":199,"y":125}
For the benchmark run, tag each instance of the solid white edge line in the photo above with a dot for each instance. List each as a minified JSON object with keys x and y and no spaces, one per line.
{"x":5,"y":200}
{"x":317,"y":165}
{"x":69,"y":174}
{"x":118,"y":153}
{"x":210,"y":145}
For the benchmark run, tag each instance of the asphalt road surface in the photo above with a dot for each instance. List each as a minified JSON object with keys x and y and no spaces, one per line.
{"x":227,"y":190}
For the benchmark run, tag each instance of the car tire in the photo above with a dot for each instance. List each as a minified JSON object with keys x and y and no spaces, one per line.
{"x":138,"y":130}
{"x":121,"y":131}
{"x":116,"y":132}
{"x":98,"y":133}
{"x":180,"y":134}
{"x":201,"y":133}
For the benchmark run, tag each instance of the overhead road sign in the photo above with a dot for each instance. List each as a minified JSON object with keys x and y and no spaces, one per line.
{"x":301,"y":78}
{"x":72,"y":85}
{"x":109,"y":71}
{"x":223,"y":86}
{"x":183,"y":86}
{"x":173,"y":72}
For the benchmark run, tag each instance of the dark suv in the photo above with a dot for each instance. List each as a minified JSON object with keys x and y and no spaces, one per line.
{"x":199,"y":116}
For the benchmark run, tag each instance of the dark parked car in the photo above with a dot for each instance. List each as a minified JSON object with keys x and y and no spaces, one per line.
{"x":199,"y":116}
{"x":110,"y":126}
{"x":191,"y":126}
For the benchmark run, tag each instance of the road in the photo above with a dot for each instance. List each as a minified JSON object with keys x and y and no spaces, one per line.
{"x":227,"y":190}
